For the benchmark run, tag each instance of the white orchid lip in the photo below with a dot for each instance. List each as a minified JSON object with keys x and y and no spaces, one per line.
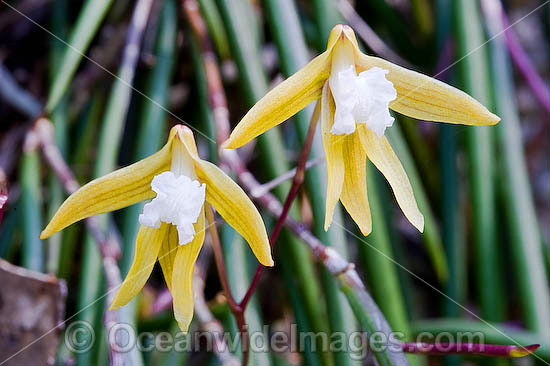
{"x":178,"y":202}
{"x":180,"y":196}
{"x":362,"y":98}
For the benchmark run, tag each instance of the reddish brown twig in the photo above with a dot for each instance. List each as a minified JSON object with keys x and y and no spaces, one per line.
{"x":207,"y":321}
{"x":296,"y":184}
{"x":236,"y":309}
{"x":487,"y":350}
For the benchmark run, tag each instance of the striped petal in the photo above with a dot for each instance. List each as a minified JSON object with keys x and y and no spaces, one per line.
{"x":113,"y":191}
{"x":231,"y":202}
{"x":383,"y":157}
{"x":167,"y":254}
{"x":333,"y":145}
{"x":236,"y":208}
{"x":354,"y":192}
{"x":283,"y":101}
{"x":148,"y":243}
{"x":422,"y":97}
{"x":182,"y":276}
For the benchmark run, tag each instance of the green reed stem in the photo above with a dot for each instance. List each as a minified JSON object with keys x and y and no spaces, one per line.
{"x":518,"y":201}
{"x":110,"y":139}
{"x":431,"y":235}
{"x":32,"y":256}
{"x":216,"y":30}
{"x":475,"y":79}
{"x":59,"y":121}
{"x":452,"y":224}
{"x":84,"y":30}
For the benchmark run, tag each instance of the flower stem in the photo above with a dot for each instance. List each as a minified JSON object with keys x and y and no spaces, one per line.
{"x":488,"y":350}
{"x":220,"y":264}
{"x":236,"y":309}
{"x":296,"y":184}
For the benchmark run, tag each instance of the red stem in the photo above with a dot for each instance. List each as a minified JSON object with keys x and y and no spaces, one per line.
{"x":220,"y":264}
{"x":296,"y":184}
{"x":488,"y":350}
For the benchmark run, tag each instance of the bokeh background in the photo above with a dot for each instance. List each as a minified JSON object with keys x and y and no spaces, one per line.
{"x":482,"y":262}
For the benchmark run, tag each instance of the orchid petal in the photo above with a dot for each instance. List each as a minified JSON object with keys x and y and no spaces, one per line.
{"x":148,"y":243}
{"x":182,"y":276}
{"x":236,"y":208}
{"x":113,"y":191}
{"x":422,"y":97}
{"x":283,"y":101}
{"x":333,"y":145}
{"x":354,"y":192}
{"x":383,"y":157}
{"x":167,"y":254}
{"x":231,"y":202}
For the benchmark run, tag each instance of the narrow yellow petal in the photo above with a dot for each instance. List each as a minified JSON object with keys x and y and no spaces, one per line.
{"x":113,"y":191}
{"x":422,"y":97}
{"x":383,"y":157}
{"x":354,"y":193}
{"x":333,"y":145}
{"x":283,"y":101}
{"x":230,"y":201}
{"x":182,"y":276}
{"x":167,"y":254}
{"x":148,"y":243}
{"x":236,"y":208}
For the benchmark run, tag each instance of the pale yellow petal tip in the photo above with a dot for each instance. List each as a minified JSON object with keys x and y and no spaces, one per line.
{"x":264,"y":257}
{"x":229,"y":144}
{"x":339,"y":31}
{"x":365,"y":230}
{"x":328,"y":221}
{"x":494,"y":119}
{"x":418,"y":222}
{"x":178,"y":129}
{"x":269,"y":262}
{"x":184,"y":325}
{"x":48,"y":230}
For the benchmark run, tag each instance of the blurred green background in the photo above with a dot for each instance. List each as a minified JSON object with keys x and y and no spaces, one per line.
{"x":484,"y":191}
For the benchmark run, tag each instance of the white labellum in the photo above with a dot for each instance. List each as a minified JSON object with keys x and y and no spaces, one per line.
{"x":362,"y":98}
{"x":178,"y":202}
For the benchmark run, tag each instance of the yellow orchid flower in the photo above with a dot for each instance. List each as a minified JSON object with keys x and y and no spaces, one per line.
{"x":356,"y":92}
{"x":172,"y":224}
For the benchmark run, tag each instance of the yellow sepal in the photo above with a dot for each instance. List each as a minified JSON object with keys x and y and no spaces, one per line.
{"x":422,"y":97}
{"x":333,"y":145}
{"x":113,"y":191}
{"x":381,"y":154}
{"x":148,"y":243}
{"x":283,"y":101}
{"x":167,"y":255}
{"x":354,"y":192}
{"x":182,"y":275}
{"x":236,"y":208}
{"x":231,"y":202}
